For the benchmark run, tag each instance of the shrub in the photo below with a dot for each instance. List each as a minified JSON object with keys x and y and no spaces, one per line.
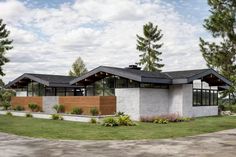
{"x":77,"y":110}
{"x":57,"y":117}
{"x":28,"y":115}
{"x":221,"y":107}
{"x":171,"y":117}
{"x":125,"y":120}
{"x":110,"y":121}
{"x":33,"y":107}
{"x":94,"y":111}
{"x":164,"y":119}
{"x":228,"y":107}
{"x":93,"y":120}
{"x":59,"y":108}
{"x":184,"y":119}
{"x":19,"y":108}
{"x":150,"y":119}
{"x":161,"y":121}
{"x":231,"y":108}
{"x":6,"y":105}
{"x":9,"y":114}
{"x":120,"y":113}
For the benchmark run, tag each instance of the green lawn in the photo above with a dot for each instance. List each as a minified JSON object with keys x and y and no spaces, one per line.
{"x":85,"y":131}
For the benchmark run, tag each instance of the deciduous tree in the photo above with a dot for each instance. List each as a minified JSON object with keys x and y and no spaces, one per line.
{"x":78,"y":68}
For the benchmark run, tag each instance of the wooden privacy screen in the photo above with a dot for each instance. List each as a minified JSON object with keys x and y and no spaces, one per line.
{"x":24,"y":101}
{"x":105,"y":104}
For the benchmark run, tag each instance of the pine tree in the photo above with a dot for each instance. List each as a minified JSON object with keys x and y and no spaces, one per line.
{"x":149,"y":47}
{"x":5,"y":45}
{"x":221,"y":24}
{"x":78,"y":68}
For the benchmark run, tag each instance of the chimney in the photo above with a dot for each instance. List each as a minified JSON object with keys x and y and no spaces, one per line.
{"x":133,"y":67}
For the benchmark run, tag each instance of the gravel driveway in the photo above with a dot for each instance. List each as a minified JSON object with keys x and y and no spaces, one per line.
{"x":207,"y":145}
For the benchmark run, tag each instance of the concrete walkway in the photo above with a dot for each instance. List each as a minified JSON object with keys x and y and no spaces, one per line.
{"x":208,"y":145}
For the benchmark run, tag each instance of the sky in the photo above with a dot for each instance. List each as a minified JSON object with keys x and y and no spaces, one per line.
{"x":49,"y":35}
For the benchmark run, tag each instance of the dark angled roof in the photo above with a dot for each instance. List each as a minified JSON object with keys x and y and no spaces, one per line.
{"x":133,"y":74}
{"x":208,"y":75}
{"x":45,"y":79}
{"x":172,"y":77}
{"x":184,"y":74}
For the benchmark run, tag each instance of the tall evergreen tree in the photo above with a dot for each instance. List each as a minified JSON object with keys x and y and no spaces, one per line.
{"x":2,"y":84}
{"x":149,"y":47}
{"x":221,"y":24}
{"x":5,"y":45}
{"x":78,"y":68}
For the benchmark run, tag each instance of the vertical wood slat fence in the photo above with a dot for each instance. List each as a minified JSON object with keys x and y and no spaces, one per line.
{"x":106,"y":105}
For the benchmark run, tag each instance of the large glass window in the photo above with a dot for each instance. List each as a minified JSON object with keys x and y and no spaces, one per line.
{"x":60,"y":92}
{"x":70,"y":91}
{"x":150,"y":85}
{"x":205,"y":97}
{"x":109,"y":86}
{"x":35,"y":89}
{"x":98,"y":87}
{"x":50,"y":91}
{"x":121,"y":82}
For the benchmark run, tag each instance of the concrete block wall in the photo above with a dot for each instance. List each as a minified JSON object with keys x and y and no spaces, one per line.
{"x":175,"y":99}
{"x":128,"y":101}
{"x":138,"y":102}
{"x":48,"y":103}
{"x":200,"y":111}
{"x":153,"y":101}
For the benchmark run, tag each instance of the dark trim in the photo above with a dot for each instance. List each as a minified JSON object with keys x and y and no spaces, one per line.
{"x":208,"y":72}
{"x":45,"y":91}
{"x":27,"y":90}
{"x":201,"y":97}
{"x":140,"y":77}
{"x":55,"y":91}
{"x":29,"y":77}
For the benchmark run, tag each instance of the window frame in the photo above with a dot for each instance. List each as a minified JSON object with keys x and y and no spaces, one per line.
{"x":203,"y":97}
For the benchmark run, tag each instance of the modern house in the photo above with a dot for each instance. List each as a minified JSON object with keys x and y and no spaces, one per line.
{"x":190,"y":93}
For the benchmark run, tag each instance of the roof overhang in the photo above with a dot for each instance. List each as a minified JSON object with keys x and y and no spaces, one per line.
{"x":210,"y":76}
{"x":101,"y":72}
{"x":25,"y":78}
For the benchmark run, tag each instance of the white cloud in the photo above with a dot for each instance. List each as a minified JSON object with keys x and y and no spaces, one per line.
{"x":12,"y":9}
{"x":103,"y":32}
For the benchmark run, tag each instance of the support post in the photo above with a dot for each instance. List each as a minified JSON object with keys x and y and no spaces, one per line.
{"x":85,"y":90}
{"x":45,"y":91}
{"x":32,"y":88}
{"x":201,"y":92}
{"x":27,"y":90}
{"x":55,"y":91}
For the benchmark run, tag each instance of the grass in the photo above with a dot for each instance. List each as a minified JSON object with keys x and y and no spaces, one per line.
{"x":51,"y":129}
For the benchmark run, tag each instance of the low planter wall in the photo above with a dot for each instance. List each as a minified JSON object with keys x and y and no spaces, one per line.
{"x":67,"y":117}
{"x":106,"y":105}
